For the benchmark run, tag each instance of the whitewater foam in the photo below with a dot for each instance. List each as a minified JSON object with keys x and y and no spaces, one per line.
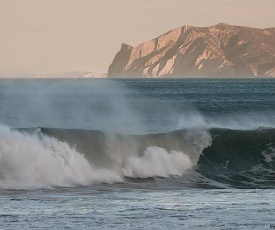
{"x":156,"y":161}
{"x":46,"y":158}
{"x":28,"y":161}
{"x":35,"y":160}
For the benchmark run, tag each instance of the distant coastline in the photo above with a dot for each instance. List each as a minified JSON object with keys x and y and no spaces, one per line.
{"x":218,"y":51}
{"x":71,"y":74}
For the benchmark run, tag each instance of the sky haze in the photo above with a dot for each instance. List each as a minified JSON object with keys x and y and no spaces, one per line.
{"x":42,"y":36}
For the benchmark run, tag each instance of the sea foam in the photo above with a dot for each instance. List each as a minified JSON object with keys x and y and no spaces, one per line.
{"x":31,"y":161}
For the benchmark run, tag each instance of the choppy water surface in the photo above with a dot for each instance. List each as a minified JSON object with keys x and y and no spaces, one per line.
{"x":131,"y":154}
{"x":124,"y":208}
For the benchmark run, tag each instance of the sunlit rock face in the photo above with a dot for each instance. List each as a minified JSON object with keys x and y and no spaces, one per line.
{"x":217,"y":51}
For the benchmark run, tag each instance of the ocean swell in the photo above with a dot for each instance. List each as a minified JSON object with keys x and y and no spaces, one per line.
{"x":47,"y":158}
{"x":44,"y":158}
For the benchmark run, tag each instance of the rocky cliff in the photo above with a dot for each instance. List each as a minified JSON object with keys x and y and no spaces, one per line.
{"x":217,"y":51}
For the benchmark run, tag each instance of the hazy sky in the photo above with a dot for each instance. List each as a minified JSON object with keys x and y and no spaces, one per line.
{"x":50,"y":36}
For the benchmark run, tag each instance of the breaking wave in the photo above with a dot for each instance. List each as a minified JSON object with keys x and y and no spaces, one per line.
{"x":46,"y":158}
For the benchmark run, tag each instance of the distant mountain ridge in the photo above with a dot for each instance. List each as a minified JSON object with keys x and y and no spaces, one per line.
{"x":217,"y":51}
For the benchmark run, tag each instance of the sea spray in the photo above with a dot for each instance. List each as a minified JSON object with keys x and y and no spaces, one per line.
{"x":43,"y":158}
{"x":157,"y":162}
{"x":29,"y":161}
{"x":242,"y":121}
{"x":102,"y":105}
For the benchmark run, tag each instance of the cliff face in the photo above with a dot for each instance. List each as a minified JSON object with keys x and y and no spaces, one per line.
{"x":216,"y":51}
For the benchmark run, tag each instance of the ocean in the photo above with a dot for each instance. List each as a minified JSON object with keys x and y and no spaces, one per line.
{"x":137,"y":153}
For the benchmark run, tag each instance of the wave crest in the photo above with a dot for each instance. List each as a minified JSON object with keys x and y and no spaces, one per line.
{"x":28,"y":161}
{"x":39,"y":158}
{"x":157,"y":162}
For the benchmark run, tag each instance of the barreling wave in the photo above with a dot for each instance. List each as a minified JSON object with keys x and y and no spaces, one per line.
{"x":45,"y":157}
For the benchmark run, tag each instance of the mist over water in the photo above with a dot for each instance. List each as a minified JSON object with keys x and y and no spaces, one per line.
{"x":67,"y":104}
{"x":146,"y":106}
{"x":35,"y":160}
{"x":156,"y":154}
{"x":107,"y":131}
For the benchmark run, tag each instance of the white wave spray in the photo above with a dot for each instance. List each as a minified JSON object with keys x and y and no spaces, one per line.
{"x":27,"y":161}
{"x":157,"y":161}
{"x":31,"y":161}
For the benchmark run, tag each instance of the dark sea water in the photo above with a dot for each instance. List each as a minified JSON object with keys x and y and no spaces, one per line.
{"x":137,"y":154}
